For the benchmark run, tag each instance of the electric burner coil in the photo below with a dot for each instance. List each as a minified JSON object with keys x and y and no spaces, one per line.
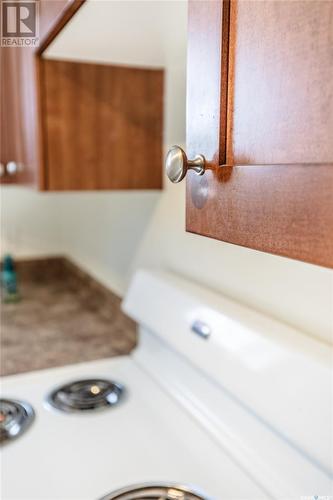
{"x":15,"y":418}
{"x":86,"y":395}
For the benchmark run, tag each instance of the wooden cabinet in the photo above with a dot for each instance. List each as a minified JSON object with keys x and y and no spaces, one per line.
{"x":19,"y":115}
{"x":20,"y":106}
{"x":102,"y":126}
{"x":76,"y":126}
{"x":53,"y":16}
{"x":260,"y":109}
{"x":10,"y":140}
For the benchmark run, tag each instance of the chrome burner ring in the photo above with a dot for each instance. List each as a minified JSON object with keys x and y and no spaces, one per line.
{"x":15,"y":418}
{"x":156,"y":491}
{"x":86,"y":395}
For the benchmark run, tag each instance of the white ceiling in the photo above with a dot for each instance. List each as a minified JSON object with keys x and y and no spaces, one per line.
{"x":137,"y":32}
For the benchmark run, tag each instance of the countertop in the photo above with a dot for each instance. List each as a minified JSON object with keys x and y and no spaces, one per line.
{"x":64,"y":317}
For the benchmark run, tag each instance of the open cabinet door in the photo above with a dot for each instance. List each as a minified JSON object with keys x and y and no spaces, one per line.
{"x":260,"y":109}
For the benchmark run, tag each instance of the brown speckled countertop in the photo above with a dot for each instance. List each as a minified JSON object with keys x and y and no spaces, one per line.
{"x":64,"y":317}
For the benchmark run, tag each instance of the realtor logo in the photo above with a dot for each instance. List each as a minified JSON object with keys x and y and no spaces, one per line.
{"x":19,"y":23}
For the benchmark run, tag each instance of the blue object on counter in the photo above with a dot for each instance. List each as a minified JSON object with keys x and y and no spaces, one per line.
{"x":9,"y":280}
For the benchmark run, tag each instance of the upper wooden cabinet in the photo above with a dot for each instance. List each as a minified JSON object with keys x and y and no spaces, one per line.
{"x":260,"y":109}
{"x":18,"y":119}
{"x":76,"y":126}
{"x":102,"y":126}
{"x":10,"y":134}
{"x":20,"y":106}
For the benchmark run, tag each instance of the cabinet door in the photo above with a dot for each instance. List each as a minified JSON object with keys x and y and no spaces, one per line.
{"x":103,"y":126}
{"x":260,"y":109}
{"x":10,"y":134}
{"x":18,"y":121}
{"x":20,"y":117}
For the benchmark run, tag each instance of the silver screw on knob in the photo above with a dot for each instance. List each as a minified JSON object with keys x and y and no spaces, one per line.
{"x":177,"y":164}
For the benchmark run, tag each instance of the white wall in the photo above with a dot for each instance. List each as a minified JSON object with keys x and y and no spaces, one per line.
{"x":111,"y":234}
{"x":29,"y":222}
{"x":100,"y":231}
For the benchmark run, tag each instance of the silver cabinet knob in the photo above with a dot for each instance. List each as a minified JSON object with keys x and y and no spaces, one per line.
{"x":13,"y":167}
{"x":177,"y":164}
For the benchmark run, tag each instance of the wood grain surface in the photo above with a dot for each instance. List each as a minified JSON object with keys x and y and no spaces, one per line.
{"x":11,"y":141}
{"x":282,"y":209}
{"x":207,"y":73}
{"x":103,"y":126}
{"x":276,"y":193}
{"x":20,"y":120}
{"x":280,"y":92}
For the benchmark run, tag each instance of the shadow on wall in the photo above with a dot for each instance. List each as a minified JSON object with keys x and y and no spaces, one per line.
{"x":102,"y":231}
{"x":98,"y":230}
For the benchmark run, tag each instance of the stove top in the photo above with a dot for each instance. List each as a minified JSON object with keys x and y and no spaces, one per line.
{"x":86,"y":395}
{"x":202,"y":411}
{"x":147,"y":438}
{"x":15,"y":418}
{"x":155,"y":492}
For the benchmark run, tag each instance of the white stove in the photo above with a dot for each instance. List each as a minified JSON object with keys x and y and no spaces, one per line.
{"x":216,"y":399}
